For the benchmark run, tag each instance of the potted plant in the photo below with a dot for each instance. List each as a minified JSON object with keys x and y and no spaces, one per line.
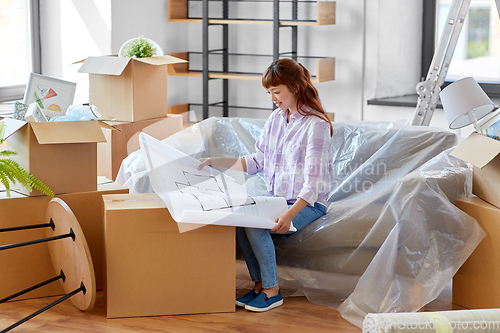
{"x":139,"y":48}
{"x":11,"y":171}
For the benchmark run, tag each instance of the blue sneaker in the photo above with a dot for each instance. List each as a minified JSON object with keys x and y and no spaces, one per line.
{"x":242,"y":301}
{"x":263,"y":303}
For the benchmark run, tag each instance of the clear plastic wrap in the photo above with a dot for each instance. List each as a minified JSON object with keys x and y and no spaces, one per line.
{"x":392,"y":238}
{"x":463,"y":321}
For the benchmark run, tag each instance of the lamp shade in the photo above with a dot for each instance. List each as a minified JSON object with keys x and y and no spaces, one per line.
{"x":461,"y":97}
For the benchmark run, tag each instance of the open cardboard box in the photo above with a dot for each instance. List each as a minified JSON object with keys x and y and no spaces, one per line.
{"x":126,"y":89}
{"x":63,"y":155}
{"x":482,"y":152}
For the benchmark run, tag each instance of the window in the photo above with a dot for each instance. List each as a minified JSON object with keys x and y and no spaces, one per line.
{"x":477,"y":53}
{"x":20,"y":51}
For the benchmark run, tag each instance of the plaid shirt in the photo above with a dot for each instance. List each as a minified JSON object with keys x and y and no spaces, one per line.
{"x":295,"y":157}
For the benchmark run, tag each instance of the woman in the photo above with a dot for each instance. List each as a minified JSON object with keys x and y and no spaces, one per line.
{"x":294,"y":154}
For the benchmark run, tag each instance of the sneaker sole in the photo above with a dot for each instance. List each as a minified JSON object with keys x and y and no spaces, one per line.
{"x":272,"y":306}
{"x":240,"y":304}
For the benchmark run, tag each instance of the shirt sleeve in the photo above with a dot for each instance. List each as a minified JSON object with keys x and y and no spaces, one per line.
{"x":317,"y":162}
{"x":255,"y":161}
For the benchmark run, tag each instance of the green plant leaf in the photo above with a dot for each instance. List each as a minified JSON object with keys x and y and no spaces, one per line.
{"x":5,"y":182}
{"x":5,"y":153}
{"x":2,"y":131}
{"x":11,"y":171}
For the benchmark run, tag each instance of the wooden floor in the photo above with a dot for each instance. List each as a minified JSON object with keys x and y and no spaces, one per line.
{"x":296,"y":315}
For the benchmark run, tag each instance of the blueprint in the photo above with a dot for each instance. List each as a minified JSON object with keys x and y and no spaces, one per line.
{"x":199,"y":197}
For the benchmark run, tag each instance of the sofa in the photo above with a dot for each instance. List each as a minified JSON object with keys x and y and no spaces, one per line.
{"x":392,"y":238}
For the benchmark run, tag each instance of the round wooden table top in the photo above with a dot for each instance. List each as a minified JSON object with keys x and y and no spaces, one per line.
{"x":71,"y":256}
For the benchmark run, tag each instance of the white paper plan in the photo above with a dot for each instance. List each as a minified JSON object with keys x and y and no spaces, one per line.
{"x":199,"y":197}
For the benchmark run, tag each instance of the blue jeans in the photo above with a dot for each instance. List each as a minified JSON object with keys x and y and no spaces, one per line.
{"x":257,"y":246}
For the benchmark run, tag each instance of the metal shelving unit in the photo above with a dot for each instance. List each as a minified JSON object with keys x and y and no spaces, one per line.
{"x":178,"y":12}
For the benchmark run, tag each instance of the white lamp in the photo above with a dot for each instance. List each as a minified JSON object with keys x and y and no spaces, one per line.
{"x":464,"y":103}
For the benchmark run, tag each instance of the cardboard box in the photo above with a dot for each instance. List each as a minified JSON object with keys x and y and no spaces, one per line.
{"x":26,"y":266}
{"x":119,"y":144}
{"x":482,"y":152}
{"x":475,"y":285}
{"x":63,"y":155}
{"x":126,"y":89}
{"x":182,"y":110}
{"x":152,"y":269}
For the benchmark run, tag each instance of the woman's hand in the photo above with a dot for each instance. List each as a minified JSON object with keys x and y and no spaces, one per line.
{"x":285,"y":220}
{"x":204,"y":162}
{"x":283,"y":223}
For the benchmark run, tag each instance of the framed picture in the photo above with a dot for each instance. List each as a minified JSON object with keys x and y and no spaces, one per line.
{"x":52,"y":95}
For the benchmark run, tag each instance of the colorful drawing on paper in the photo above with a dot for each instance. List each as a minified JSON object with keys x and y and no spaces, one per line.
{"x":42,"y":94}
{"x":49,"y":93}
{"x":54,"y":107}
{"x":38,"y":100}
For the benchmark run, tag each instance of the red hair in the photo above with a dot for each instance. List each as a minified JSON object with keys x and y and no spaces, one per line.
{"x":298,"y":80}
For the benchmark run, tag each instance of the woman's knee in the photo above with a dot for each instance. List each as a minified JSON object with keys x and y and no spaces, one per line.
{"x":306,"y":216}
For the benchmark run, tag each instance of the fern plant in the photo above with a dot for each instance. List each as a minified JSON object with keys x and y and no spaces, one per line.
{"x":11,"y":171}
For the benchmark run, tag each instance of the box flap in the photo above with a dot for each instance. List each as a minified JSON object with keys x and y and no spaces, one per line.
{"x":81,"y":61}
{"x":11,"y":126}
{"x":104,"y":65}
{"x":108,"y":126}
{"x":163,"y":60}
{"x":477,"y":149}
{"x":68,"y":132}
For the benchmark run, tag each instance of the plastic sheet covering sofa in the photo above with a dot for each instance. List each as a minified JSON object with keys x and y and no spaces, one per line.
{"x":392,"y":238}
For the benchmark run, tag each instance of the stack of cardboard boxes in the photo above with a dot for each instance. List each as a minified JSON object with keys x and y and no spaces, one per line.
{"x":69,"y":156}
{"x":475,"y":286}
{"x":141,"y":260}
{"x":151,"y":268}
{"x":131,"y":95}
{"x":64,"y":156}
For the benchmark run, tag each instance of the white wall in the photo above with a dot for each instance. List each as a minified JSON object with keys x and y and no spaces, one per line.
{"x":71,"y":30}
{"x":376,"y":45}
